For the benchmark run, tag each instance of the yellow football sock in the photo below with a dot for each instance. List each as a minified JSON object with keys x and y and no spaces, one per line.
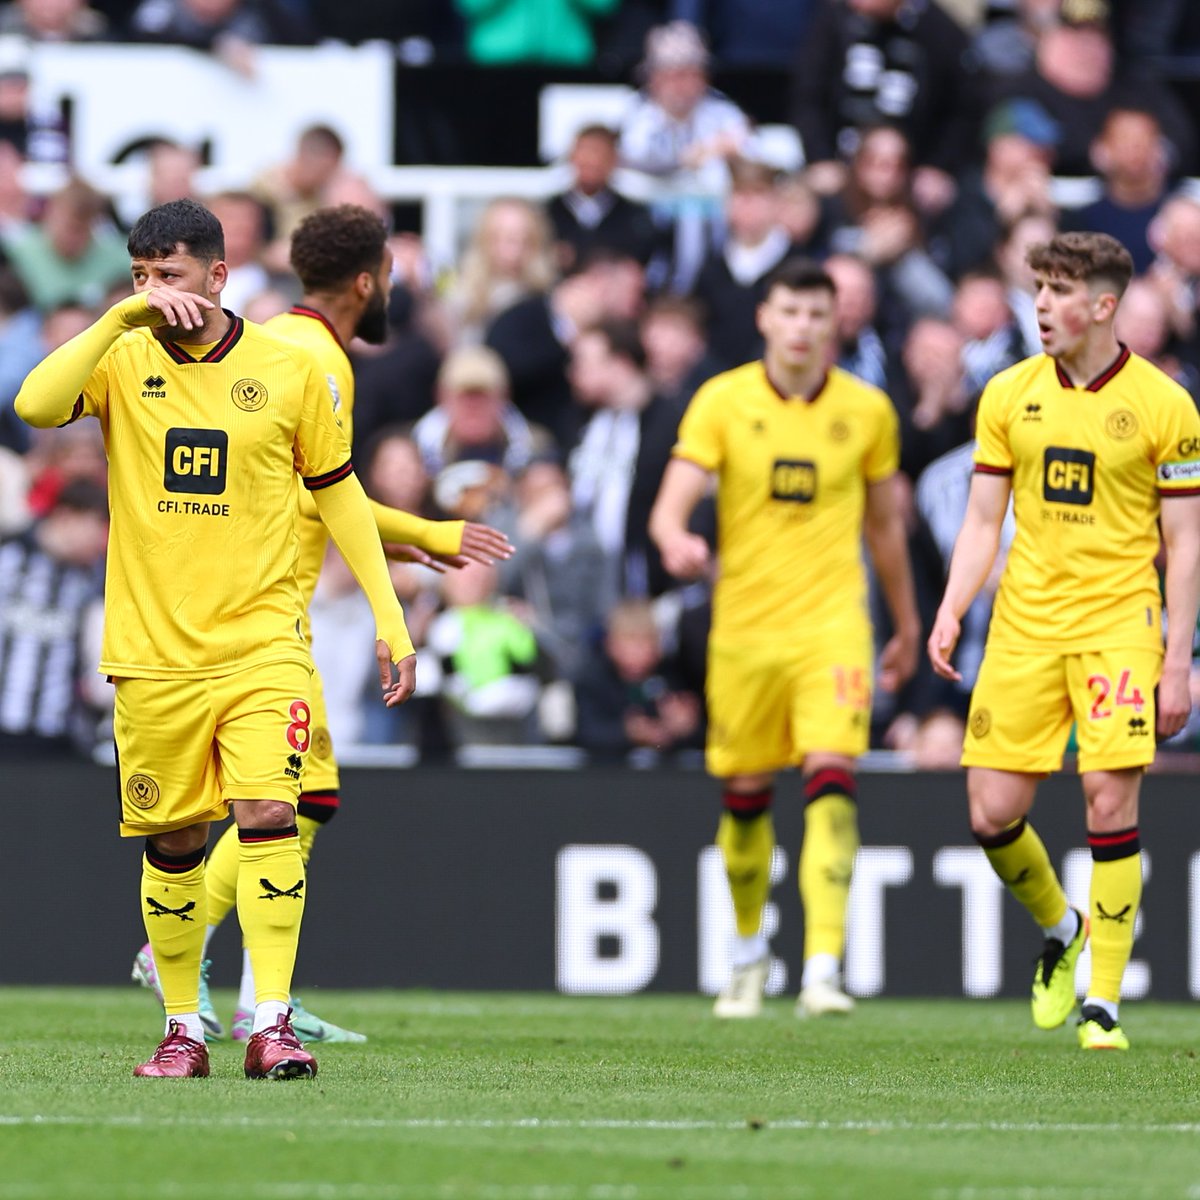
{"x":174,"y":909}
{"x":826,"y":864}
{"x":1020,"y":860}
{"x":270,"y":904}
{"x":1115,"y":894}
{"x":222,"y":876}
{"x":747,"y":843}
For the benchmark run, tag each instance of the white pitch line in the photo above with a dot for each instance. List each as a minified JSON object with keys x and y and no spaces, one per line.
{"x":794,"y":1125}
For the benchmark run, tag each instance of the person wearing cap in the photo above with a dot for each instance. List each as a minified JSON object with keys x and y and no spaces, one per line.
{"x":1078,"y":79}
{"x":474,"y":420}
{"x":682,"y":129}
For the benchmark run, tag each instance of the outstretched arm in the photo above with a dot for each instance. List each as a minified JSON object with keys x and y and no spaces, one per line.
{"x":1180,"y":519}
{"x":975,"y":551}
{"x":344,"y":508}
{"x":887,"y":543}
{"x":452,"y":543}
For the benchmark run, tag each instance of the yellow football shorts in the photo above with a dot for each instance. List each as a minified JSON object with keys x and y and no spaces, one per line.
{"x":186,"y":747}
{"x":769,"y":706}
{"x":321,"y":770}
{"x":1024,"y":703}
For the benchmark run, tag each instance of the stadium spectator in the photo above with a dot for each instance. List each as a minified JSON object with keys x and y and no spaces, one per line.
{"x":505,"y":32}
{"x":1133,"y":159}
{"x":73,"y":254}
{"x":534,"y":336}
{"x":1012,"y":257}
{"x":244,"y":223}
{"x":1175,"y":236}
{"x":230,"y":29}
{"x":874,"y":217}
{"x":1144,"y":325}
{"x":474,"y":419}
{"x":935,"y":409}
{"x":867,"y":62}
{"x":991,"y":340}
{"x":629,"y":696}
{"x":489,"y":657}
{"x":510,"y":257}
{"x":20,"y":351}
{"x":559,"y":569}
{"x":395,"y":382}
{"x":790,"y":676}
{"x":51,"y":585}
{"x":1077,"y":628}
{"x":1078,"y":80}
{"x":730,"y":282}
{"x":591,"y":213}
{"x":682,"y":130}
{"x":859,"y":347}
{"x":53,"y":21}
{"x":623,"y":449}
{"x":299,"y":185}
{"x":677,"y":358}
{"x":1020,"y":139}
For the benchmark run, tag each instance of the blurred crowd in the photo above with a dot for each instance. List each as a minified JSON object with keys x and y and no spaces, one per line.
{"x":537,"y":385}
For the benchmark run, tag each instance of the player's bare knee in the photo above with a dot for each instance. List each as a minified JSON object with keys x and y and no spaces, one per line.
{"x":263,"y":814}
{"x":177,"y":842}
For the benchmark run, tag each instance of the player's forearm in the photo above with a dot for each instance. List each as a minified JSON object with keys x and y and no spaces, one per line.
{"x":1181,"y":587}
{"x":434,"y":537}
{"x":347,"y":514}
{"x":682,"y":488}
{"x":47,"y":397}
{"x":974,"y":553}
{"x":888,"y":548}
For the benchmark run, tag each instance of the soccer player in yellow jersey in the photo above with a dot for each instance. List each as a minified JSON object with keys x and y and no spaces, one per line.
{"x":1098,"y":450}
{"x":207,"y":420}
{"x":341,"y":257}
{"x":804,"y":457}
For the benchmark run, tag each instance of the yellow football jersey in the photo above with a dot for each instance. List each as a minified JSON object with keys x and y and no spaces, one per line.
{"x":310,"y":329}
{"x":792,"y":478}
{"x":203,"y":453}
{"x":1089,"y":466}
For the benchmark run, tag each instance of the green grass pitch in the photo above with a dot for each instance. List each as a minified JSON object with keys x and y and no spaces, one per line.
{"x":487,"y":1096}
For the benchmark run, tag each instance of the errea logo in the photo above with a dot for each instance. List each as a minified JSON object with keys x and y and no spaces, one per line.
{"x":155,"y":388}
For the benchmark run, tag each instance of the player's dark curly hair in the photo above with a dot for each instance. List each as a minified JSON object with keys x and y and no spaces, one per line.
{"x":1090,"y":257}
{"x":333,"y":245}
{"x":159,"y":232}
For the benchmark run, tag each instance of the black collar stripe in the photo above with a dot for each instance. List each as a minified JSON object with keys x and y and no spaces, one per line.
{"x":314,"y":483}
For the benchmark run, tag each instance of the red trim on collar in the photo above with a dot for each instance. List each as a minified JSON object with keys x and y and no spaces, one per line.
{"x":1104,"y":377}
{"x":303,"y":310}
{"x":784,"y":396}
{"x":232,"y":336}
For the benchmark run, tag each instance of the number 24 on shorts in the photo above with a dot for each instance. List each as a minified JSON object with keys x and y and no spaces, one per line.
{"x":1101,"y":689}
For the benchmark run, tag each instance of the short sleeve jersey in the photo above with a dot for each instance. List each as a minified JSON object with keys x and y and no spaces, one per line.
{"x":203,"y":454}
{"x":1089,"y":466}
{"x":308,"y":328}
{"x":792,"y":477}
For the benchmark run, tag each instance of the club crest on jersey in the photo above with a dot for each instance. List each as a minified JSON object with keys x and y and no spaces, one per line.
{"x":141,"y":791}
{"x":1121,"y":424}
{"x":196,"y":461}
{"x":249,"y":395}
{"x":794,"y":480}
{"x":1070,"y":475}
